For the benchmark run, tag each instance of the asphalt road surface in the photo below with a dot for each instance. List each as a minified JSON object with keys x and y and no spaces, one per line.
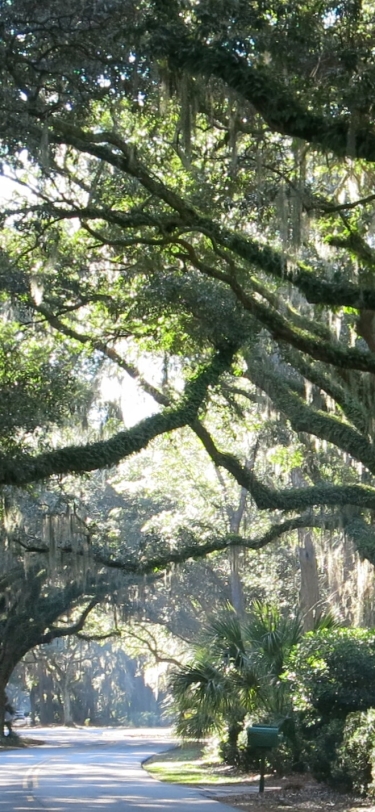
{"x":95,"y":769}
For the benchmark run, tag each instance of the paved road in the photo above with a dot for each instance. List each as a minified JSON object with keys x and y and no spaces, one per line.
{"x":93,"y":769}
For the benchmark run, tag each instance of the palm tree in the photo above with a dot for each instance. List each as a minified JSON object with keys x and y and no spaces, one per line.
{"x":236,"y":671}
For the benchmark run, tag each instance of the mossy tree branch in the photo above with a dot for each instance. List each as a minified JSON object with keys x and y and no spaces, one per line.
{"x":272,"y":98}
{"x":281,"y":329}
{"x":351,"y":407}
{"x":296,"y":499}
{"x":90,"y":457}
{"x":304,"y":418}
{"x":112,"y":149}
{"x":64,"y":631}
{"x":194,"y":549}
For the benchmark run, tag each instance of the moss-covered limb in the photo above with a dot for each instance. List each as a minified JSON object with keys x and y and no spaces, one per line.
{"x":315,"y":289}
{"x":132,"y":219}
{"x":352,"y":408}
{"x":113,"y":150}
{"x":356,"y":245}
{"x":294,"y":499}
{"x":328,"y":207}
{"x":307,"y":419}
{"x":271,"y":97}
{"x":129,"y":242}
{"x":63,"y":631}
{"x":22,"y":632}
{"x":197,"y":549}
{"x":280,"y":328}
{"x":102,"y":347}
{"x":237,"y":390}
{"x":314,"y":346}
{"x":96,"y":638}
{"x":329,"y":521}
{"x":294,"y":317}
{"x":80,"y":459}
{"x":270,"y":261}
{"x":194,"y":549}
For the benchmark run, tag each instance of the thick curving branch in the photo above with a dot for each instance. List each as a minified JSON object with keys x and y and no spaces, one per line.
{"x":92,"y":456}
{"x":272,"y":98}
{"x":351,"y":406}
{"x":155,"y":566}
{"x":304,"y":418}
{"x":285,"y":499}
{"x":63,"y":631}
{"x":281,"y":329}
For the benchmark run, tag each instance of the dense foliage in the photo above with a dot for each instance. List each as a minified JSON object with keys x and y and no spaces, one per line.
{"x":332,"y":673}
{"x":331,"y":678}
{"x":187,"y":203}
{"x":234,"y":677}
{"x":176,"y":192}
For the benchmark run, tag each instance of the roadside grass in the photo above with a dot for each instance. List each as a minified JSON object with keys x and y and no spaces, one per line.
{"x":188,"y":764}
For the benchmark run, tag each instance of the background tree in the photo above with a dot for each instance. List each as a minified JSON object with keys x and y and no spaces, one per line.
{"x":80,"y":681}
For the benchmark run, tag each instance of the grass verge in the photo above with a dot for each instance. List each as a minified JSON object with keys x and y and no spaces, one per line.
{"x":188,"y":764}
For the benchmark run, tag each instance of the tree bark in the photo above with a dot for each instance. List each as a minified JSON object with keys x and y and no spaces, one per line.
{"x":309,"y":592}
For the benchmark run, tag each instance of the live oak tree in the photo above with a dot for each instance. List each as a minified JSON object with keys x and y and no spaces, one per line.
{"x":36,"y":609}
{"x":76,"y":681}
{"x":63,"y":556}
{"x":194,"y":181}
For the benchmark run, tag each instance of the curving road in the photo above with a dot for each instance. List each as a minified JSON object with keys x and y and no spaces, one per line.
{"x":99,"y":770}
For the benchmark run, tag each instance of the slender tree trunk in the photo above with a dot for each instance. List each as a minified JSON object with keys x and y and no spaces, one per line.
{"x":235,"y":517}
{"x":67,"y":708}
{"x":3,"y":685}
{"x":237,"y":596}
{"x":309,"y":593}
{"x":33,"y":694}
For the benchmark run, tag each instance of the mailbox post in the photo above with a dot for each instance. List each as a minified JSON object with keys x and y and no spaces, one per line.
{"x":262,"y":737}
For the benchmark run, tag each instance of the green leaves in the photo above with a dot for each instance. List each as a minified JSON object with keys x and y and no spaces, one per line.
{"x":236,"y":670}
{"x":332,"y":673}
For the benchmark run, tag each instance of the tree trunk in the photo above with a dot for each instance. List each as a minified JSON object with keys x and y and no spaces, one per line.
{"x":309,"y":593}
{"x":68,"y":719}
{"x":237,"y":596}
{"x":6,"y":669}
{"x":3,"y":685}
{"x":235,"y":516}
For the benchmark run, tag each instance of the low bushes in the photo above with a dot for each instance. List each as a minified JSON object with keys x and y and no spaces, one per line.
{"x":331,"y":675}
{"x":323,"y":700}
{"x":355,"y":763}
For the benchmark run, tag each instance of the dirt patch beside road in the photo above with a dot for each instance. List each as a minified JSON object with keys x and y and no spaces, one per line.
{"x":293,"y":794}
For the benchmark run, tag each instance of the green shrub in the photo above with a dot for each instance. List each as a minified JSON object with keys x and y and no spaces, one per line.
{"x":355,"y":764}
{"x":332,"y":673}
{"x":321,"y":745}
{"x":332,"y":680}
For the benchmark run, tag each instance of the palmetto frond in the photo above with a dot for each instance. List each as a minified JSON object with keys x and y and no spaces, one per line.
{"x":236,"y":670}
{"x":270,"y":635}
{"x":223,"y":637}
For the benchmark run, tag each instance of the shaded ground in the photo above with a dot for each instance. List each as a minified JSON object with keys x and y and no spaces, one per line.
{"x":297,"y":793}
{"x":11,"y":742}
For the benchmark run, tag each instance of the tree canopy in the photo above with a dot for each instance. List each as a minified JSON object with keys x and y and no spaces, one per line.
{"x":192,"y":183}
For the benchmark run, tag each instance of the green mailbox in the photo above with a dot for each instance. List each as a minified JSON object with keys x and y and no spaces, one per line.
{"x":263,"y":737}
